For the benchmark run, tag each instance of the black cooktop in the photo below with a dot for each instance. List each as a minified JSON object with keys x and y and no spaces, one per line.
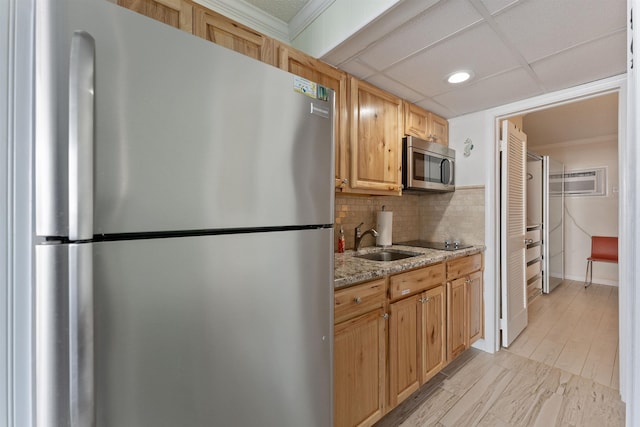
{"x":442,"y":246}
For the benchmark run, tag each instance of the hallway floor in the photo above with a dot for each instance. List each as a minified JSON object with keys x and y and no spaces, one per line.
{"x":561,"y":371}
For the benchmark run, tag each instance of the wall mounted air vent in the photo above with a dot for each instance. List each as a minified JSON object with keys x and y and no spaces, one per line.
{"x":586,"y":182}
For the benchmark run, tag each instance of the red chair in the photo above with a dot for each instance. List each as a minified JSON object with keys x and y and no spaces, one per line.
{"x":603,"y":249}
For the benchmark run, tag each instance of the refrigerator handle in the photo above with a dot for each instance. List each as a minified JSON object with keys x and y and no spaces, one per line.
{"x":81,"y":135}
{"x":81,"y":357}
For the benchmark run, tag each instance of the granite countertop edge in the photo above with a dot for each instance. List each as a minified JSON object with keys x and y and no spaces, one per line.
{"x":350,"y":270}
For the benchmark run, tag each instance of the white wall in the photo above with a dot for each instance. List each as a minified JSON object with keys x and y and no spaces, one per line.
{"x":338,"y":22}
{"x":589,"y":216}
{"x":478,"y":169}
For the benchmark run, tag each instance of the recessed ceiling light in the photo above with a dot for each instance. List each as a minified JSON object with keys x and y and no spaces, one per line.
{"x":459,"y":77}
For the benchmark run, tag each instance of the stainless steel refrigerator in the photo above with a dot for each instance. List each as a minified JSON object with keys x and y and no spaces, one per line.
{"x":184,"y":256}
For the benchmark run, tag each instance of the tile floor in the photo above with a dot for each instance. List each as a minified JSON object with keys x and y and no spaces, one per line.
{"x":561,"y":371}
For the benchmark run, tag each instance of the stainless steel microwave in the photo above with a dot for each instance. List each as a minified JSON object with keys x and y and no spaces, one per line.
{"x":427,"y":166}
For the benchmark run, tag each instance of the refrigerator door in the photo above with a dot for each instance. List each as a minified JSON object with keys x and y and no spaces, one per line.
{"x":226,"y":330}
{"x":188,"y":135}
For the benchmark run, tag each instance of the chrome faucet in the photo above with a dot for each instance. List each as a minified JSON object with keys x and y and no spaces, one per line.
{"x":360,"y":235}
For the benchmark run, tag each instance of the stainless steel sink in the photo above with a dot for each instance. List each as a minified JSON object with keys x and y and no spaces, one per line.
{"x":388,"y":255}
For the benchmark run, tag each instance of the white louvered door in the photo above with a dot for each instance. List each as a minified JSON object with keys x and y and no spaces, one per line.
{"x":513,"y":310}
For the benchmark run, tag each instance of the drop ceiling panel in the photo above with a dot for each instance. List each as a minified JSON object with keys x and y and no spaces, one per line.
{"x":494,"y":6}
{"x":502,"y":89}
{"x":478,"y":49}
{"x":377,"y":30}
{"x":430,"y":105}
{"x":394,"y":87}
{"x":357,"y":69}
{"x":543,"y":27}
{"x":588,"y":62}
{"x":440,"y":22}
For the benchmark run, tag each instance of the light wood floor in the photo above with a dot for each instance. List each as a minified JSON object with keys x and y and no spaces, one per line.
{"x":561,"y":371}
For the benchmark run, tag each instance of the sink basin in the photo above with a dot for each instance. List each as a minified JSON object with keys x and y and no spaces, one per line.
{"x":387,"y":255}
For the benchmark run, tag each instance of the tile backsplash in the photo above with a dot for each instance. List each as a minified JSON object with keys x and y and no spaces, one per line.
{"x":428,"y":216}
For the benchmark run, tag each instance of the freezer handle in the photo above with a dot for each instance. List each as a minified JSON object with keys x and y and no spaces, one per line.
{"x":81,"y":380}
{"x":81,"y":135}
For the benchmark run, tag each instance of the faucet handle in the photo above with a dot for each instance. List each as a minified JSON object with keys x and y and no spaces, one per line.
{"x":358,"y":231}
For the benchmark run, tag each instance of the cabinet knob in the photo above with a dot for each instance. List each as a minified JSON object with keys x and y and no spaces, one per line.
{"x":385,"y":315}
{"x":345,"y":181}
{"x":425,"y":299}
{"x":357,"y":300}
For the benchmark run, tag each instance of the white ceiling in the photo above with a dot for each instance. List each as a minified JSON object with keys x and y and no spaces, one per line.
{"x":592,"y":120}
{"x":516,"y":48}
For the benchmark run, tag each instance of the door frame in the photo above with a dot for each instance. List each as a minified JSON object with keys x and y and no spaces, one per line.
{"x":616,"y":84}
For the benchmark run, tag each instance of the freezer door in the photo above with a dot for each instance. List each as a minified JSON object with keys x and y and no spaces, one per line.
{"x":227,"y":330}
{"x":187,"y":135}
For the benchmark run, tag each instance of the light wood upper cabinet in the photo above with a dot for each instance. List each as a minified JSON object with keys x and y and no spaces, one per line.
{"x":177,"y":13}
{"x":375,"y":140}
{"x":223,"y":31}
{"x":425,"y":125}
{"x":303,"y":65}
{"x":359,"y":354}
{"x":439,"y":129}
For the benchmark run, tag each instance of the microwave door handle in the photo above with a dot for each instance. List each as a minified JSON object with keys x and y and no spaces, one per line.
{"x":442,"y":171}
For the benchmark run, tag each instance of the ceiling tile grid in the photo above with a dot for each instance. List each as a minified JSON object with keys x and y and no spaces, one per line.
{"x":539,"y":28}
{"x":503,"y":88}
{"x":515,"y":48}
{"x":437,"y":23}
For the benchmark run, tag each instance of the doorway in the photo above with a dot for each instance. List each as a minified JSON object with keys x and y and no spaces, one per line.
{"x":582,"y":134}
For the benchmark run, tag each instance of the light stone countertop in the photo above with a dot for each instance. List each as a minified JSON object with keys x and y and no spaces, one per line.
{"x":350,"y":270}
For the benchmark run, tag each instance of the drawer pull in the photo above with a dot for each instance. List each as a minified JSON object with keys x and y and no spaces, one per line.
{"x":357,"y":300}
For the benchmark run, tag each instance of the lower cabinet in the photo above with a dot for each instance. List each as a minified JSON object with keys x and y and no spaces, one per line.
{"x":465,"y":311}
{"x":476,"y":307}
{"x":405,"y":319}
{"x":416,"y":331}
{"x":359,"y":354}
{"x":434,"y":336}
{"x":381,"y":358}
{"x":457,"y":340}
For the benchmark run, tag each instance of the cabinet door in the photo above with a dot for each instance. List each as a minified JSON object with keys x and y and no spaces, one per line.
{"x":177,"y":13}
{"x":303,"y":65}
{"x":359,"y":370}
{"x":416,"y":121}
{"x":230,"y":34}
{"x":476,"y":307}
{"x":375,"y":140}
{"x":434,"y":319}
{"x":404,"y":333}
{"x":457,"y":340}
{"x":438,"y":129}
